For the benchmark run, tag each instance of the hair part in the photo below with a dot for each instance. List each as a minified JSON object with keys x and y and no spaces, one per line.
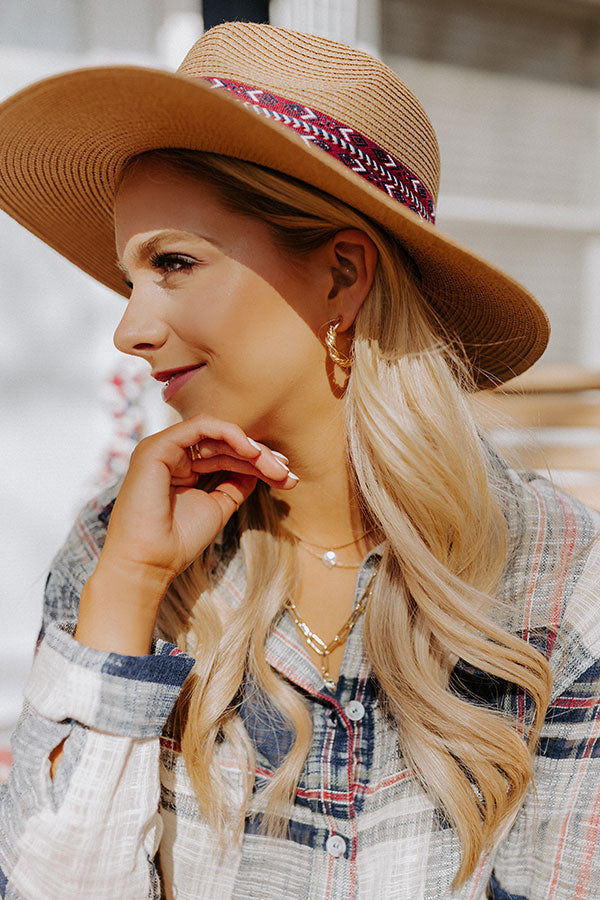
{"x":424,"y":479}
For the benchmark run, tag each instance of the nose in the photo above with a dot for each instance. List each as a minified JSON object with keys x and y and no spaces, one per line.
{"x":142,"y":329}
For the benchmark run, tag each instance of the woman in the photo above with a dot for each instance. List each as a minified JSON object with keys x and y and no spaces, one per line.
{"x":373,"y":674}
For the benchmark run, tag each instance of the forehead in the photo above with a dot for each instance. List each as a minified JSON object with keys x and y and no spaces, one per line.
{"x":155,"y":196}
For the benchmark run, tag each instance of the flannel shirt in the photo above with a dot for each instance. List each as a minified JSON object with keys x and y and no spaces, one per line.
{"x":120,"y":820}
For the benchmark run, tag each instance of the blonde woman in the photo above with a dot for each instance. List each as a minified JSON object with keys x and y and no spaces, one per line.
{"x":321,"y":642}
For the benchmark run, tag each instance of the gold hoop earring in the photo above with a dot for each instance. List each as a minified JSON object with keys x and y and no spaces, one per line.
{"x":334,"y":354}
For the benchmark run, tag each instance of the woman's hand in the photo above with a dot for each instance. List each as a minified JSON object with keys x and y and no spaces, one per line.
{"x":161,"y":522}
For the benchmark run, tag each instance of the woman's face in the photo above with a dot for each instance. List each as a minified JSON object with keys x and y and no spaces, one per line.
{"x":214,"y":300}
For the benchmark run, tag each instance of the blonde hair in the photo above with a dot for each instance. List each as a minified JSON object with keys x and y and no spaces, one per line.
{"x":423,"y":478}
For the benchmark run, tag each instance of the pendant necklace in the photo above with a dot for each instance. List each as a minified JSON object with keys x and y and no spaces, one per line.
{"x":329,"y":557}
{"x":318,"y":644}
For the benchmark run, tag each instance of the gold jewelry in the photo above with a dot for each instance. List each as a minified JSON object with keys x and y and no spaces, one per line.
{"x":219,"y":491}
{"x":339,"y":546}
{"x":336,"y":357}
{"x":194,"y":451}
{"x":329,"y":558}
{"x":318,"y":645}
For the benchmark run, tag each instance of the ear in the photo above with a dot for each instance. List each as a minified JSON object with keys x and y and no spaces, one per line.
{"x":352,"y":259}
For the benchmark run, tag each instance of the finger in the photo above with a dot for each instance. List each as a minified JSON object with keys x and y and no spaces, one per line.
{"x":185,"y":481}
{"x":281,"y":475}
{"x":266,"y":464}
{"x":199,"y":428}
{"x":208,"y":447}
{"x":231,"y":493}
{"x":263,"y":448}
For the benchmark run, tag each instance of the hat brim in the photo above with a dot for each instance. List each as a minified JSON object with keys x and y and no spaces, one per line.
{"x":64,"y":141}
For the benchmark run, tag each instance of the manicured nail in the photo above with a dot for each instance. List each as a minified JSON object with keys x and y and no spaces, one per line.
{"x":282,"y":464}
{"x":207,"y":452}
{"x":254,"y":444}
{"x":292,"y":476}
{"x":280,"y":456}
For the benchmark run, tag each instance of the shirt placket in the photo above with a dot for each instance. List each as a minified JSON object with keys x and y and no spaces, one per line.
{"x":332,"y":768}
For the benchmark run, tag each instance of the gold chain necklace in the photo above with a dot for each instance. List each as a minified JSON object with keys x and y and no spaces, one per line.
{"x":329,"y":558}
{"x":318,"y":644}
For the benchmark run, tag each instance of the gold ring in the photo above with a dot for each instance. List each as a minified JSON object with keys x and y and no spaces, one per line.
{"x":219,"y":491}
{"x":194,"y":451}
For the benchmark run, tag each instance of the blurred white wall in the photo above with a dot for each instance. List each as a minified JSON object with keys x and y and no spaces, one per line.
{"x":520,"y":185}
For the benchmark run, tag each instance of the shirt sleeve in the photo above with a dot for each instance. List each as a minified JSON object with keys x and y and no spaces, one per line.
{"x":553,"y":848}
{"x":93,"y":830}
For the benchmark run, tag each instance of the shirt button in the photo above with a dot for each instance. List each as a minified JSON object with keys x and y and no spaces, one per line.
{"x":355,"y":710}
{"x":336,"y":845}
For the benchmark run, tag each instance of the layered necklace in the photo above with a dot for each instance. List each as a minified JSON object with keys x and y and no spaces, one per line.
{"x":318,"y":644}
{"x":328,"y":555}
{"x":330,"y":560}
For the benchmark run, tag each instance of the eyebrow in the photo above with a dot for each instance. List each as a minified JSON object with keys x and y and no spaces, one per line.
{"x":147,"y":248}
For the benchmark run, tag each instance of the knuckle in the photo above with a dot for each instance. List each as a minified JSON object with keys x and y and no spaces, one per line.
{"x":145,"y":445}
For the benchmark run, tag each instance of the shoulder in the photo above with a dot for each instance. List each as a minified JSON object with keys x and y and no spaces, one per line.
{"x":77,"y":558}
{"x":550,"y":589}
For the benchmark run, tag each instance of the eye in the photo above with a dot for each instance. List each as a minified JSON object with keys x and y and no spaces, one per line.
{"x":172,"y":262}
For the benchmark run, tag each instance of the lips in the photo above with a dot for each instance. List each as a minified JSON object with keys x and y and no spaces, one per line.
{"x":175,"y":379}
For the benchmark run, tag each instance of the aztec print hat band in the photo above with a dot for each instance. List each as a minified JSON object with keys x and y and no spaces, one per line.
{"x":319,"y":111}
{"x":353,"y":149}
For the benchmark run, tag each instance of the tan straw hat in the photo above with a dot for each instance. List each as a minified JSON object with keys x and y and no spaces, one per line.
{"x":311,"y":108}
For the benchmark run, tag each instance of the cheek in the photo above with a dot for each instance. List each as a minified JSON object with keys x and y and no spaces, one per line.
{"x":283,"y":355}
{"x":247,"y":325}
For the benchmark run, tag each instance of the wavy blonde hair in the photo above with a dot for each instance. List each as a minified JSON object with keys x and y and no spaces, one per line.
{"x":424,"y":479}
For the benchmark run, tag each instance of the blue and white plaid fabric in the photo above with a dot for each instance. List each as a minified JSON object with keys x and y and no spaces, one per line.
{"x":120,"y":821}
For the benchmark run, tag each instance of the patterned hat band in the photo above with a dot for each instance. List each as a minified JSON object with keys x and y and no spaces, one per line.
{"x":353,"y":149}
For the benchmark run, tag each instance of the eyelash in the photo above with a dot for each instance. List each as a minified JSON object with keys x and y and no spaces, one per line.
{"x":169,"y":263}
{"x":172,"y":262}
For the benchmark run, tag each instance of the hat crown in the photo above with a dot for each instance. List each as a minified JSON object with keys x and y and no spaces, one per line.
{"x":346,"y":83}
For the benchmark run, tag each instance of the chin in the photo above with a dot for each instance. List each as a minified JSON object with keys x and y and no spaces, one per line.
{"x":217,"y":410}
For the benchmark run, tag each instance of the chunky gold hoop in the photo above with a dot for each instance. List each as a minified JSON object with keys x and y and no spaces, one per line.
{"x":336,"y":357}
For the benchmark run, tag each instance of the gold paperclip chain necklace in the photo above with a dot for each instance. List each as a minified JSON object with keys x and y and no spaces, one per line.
{"x":318,"y":644}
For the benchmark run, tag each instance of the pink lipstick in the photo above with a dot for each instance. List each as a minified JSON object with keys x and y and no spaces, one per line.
{"x":175,"y":379}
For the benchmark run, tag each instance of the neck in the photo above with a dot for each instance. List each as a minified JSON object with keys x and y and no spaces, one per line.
{"x":323,"y":508}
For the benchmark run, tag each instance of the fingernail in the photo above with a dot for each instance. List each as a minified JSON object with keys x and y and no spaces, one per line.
{"x":206,"y":452}
{"x":280,"y":456}
{"x":254,"y":444}
{"x":282,"y":464}
{"x":294,"y":477}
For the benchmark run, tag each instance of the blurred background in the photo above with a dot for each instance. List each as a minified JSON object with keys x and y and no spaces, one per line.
{"x":513,"y":90}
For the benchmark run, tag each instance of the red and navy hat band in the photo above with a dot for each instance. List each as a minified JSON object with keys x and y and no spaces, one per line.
{"x":353,"y":149}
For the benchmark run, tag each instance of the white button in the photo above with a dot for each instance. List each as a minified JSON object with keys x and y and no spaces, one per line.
{"x":336,"y":845}
{"x":355,"y":710}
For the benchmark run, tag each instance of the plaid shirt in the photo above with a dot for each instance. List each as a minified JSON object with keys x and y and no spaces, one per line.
{"x":121,"y":809}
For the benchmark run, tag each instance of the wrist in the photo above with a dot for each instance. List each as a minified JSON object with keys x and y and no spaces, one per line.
{"x":119,"y":606}
{"x":145,"y":583}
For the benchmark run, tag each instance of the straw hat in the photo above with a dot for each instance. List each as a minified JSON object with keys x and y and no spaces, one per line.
{"x":311,"y":108}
